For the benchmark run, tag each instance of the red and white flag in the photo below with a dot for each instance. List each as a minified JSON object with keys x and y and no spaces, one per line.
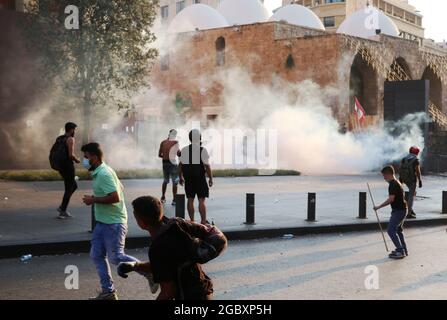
{"x":359,"y":111}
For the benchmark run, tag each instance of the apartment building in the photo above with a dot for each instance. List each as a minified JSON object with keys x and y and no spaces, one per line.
{"x":332,"y":13}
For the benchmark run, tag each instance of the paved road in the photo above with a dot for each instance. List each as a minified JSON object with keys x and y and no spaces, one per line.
{"x":313,"y":267}
{"x":28,"y":214}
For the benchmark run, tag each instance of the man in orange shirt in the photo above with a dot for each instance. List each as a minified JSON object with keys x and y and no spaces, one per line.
{"x":169,"y":150}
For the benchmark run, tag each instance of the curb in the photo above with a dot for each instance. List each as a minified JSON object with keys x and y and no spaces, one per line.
{"x":83,"y":246}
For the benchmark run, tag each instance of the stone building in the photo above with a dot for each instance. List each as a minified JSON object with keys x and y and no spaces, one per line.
{"x":357,"y":62}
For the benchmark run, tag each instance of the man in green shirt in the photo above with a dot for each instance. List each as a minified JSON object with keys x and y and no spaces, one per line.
{"x":109,"y":234}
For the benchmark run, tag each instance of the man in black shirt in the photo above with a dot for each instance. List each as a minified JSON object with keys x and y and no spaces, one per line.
{"x":398,"y":214}
{"x":194,"y":166}
{"x":170,"y":254}
{"x":67,"y":169}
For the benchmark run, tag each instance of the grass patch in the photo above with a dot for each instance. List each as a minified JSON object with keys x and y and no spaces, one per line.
{"x":51,"y":175}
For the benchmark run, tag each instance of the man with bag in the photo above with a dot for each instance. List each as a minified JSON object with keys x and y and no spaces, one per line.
{"x":410,"y":175}
{"x":62,"y":158}
{"x":178,"y":249}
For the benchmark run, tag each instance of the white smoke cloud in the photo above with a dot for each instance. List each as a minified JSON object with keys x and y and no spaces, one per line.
{"x":308,"y":133}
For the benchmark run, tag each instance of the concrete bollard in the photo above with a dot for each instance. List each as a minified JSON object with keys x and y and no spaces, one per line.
{"x":311,"y":207}
{"x":250,"y":209}
{"x":180,"y":206}
{"x":362,"y":205}
{"x":444,"y":202}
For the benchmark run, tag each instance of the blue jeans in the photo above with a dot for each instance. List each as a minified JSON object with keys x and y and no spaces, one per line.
{"x":395,"y":229}
{"x":412,"y":194}
{"x":108,"y":242}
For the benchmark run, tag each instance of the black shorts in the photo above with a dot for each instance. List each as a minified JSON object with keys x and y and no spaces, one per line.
{"x":196,"y":187}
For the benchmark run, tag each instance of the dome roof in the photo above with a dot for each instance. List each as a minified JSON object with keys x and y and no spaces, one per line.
{"x":363,"y":24}
{"x":298,"y":15}
{"x":197,"y":16}
{"x":243,"y":11}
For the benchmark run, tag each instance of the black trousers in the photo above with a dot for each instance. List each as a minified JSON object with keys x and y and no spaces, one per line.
{"x":68,"y":174}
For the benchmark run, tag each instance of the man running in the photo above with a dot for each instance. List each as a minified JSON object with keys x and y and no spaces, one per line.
{"x":410,"y":175}
{"x":169,"y":150}
{"x":398,"y":214}
{"x":109,"y":234}
{"x":193,"y":168}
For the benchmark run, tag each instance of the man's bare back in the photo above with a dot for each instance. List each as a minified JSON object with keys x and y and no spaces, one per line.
{"x":166,"y":147}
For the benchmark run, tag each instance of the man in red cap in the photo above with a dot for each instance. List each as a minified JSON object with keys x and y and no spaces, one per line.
{"x":410,"y":175}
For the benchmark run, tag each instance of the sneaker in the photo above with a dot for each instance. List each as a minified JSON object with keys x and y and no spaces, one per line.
{"x":106,"y":296}
{"x":405,"y":252}
{"x":173,"y":202}
{"x":163,"y":200}
{"x":63,"y":214}
{"x":397,"y":255}
{"x":152,"y":285}
{"x":411,"y":215}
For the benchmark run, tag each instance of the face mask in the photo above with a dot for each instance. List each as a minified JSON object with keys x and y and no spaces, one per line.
{"x":86,"y":163}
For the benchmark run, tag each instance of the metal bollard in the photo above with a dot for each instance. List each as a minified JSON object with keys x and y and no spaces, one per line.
{"x":180,"y":206}
{"x":311,"y":207}
{"x":444,"y":202}
{"x":362,"y":205}
{"x":250,"y":209}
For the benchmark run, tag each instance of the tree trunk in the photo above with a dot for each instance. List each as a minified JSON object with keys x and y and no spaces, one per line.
{"x":87,"y":112}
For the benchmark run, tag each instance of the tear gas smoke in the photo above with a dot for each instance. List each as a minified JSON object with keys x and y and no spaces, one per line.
{"x":308,"y":133}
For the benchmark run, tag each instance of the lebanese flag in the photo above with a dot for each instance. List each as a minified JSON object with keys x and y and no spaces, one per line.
{"x":359,"y":111}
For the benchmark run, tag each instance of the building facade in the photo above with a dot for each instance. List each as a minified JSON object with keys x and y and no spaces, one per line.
{"x":333,"y":12}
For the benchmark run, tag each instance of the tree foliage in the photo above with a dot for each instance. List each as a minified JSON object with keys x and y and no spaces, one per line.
{"x":103,"y":62}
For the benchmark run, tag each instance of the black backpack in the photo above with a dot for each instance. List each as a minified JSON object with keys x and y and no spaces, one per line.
{"x":59,"y":153}
{"x":407,"y":173}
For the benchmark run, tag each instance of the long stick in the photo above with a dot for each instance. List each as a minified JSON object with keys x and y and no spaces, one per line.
{"x":378,"y":220}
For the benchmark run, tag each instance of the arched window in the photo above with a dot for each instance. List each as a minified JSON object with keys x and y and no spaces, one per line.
{"x":220,"y":51}
{"x":165,"y":62}
{"x":364,"y":86}
{"x":435,"y":86}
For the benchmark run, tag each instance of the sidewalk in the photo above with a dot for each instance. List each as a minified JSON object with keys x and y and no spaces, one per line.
{"x":28,"y":221}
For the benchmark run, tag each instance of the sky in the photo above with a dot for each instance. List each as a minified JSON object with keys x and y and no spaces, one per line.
{"x":434,"y":20}
{"x":433,"y":10}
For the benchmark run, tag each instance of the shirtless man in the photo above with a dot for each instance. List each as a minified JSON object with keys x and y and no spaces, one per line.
{"x":169,"y":150}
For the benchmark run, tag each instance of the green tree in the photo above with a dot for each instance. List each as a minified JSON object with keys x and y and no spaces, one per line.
{"x":102,"y":62}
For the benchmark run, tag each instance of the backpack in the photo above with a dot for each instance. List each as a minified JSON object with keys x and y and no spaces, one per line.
{"x":407,"y":173}
{"x":59,"y":153}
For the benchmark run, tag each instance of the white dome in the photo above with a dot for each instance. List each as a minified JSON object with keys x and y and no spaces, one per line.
{"x":298,"y":15}
{"x":365,"y":22}
{"x":243,"y":11}
{"x":197,"y":16}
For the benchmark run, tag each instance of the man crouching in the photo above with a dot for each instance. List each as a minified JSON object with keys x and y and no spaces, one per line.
{"x":177,"y":249}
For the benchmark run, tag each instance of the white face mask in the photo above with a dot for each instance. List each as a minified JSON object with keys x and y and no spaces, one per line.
{"x":86,"y":163}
